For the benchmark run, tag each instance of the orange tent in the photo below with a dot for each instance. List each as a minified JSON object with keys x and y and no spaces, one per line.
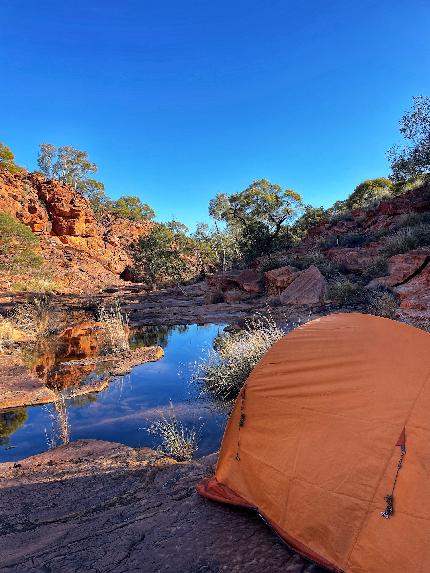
{"x":329,"y":440}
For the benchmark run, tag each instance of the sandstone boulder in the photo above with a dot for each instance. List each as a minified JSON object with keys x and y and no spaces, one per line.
{"x":223,"y":281}
{"x":277,"y":280}
{"x":414,"y":294}
{"x":402,"y":267}
{"x":309,"y":287}
{"x":250,"y":280}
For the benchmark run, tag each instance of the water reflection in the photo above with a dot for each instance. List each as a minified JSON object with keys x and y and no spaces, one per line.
{"x":124,"y":411}
{"x":154,"y":335}
{"x":10,"y":421}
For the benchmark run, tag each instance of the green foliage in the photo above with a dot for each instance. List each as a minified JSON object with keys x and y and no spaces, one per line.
{"x":368,"y":193}
{"x":311,"y":216}
{"x":414,"y":157}
{"x":407,"y":239}
{"x":157,"y":257}
{"x":131,"y":207}
{"x":344,"y":291}
{"x":70,"y":166}
{"x":18,"y":246}
{"x":73,"y":167}
{"x":258,"y":215}
{"x":382,"y":302}
{"x":330,"y":269}
{"x":7,"y":160}
{"x":378,"y":268}
{"x":272,"y":264}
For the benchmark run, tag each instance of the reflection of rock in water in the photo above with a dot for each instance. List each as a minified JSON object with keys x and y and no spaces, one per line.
{"x":154,"y":335}
{"x":76,"y":342}
{"x":10,"y":421}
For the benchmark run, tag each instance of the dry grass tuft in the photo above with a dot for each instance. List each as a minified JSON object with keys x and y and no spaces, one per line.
{"x":177,"y":440}
{"x":225,"y":368}
{"x":60,"y":425}
{"x":116,"y":327}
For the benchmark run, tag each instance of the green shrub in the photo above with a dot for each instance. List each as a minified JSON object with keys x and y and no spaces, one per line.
{"x":369,"y":193}
{"x":378,"y":268}
{"x":328,"y":268}
{"x":272,"y":264}
{"x":407,"y":239}
{"x":344,"y":215}
{"x":382,"y":302}
{"x":18,"y":246}
{"x":7,"y":160}
{"x":345,"y":291}
{"x":401,"y":187}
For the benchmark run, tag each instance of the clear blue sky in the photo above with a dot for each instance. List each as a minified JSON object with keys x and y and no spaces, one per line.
{"x":178,"y":100}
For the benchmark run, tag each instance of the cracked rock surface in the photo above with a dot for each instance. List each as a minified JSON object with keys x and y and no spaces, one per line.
{"x":94,"y":506}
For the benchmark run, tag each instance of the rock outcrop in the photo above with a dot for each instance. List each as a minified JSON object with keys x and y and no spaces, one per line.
{"x":82,"y":253}
{"x":277,"y":280}
{"x":308,"y":288}
{"x":126,"y":510}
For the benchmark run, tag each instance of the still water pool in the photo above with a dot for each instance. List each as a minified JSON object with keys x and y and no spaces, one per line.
{"x":123,"y":411}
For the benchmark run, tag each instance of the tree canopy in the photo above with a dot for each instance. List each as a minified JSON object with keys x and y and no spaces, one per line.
{"x":413,"y":158}
{"x":7,"y":160}
{"x":70,"y":166}
{"x":260,"y":213}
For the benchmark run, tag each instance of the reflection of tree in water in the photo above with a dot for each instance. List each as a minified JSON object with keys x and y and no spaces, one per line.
{"x":10,"y":421}
{"x":154,"y":335}
{"x":84,"y":399}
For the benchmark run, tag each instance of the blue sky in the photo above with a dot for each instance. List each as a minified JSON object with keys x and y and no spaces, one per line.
{"x":178,"y":100}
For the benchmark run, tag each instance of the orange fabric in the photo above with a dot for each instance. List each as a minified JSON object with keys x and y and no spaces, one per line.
{"x":319,"y":448}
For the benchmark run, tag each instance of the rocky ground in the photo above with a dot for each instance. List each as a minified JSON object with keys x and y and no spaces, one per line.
{"x":101,"y":507}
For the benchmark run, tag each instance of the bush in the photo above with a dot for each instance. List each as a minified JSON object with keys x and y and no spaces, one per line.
{"x":116,"y":328}
{"x":407,"y":239}
{"x":225,"y":369}
{"x":379,"y":268}
{"x":345,"y":291}
{"x":18,"y":246}
{"x":341,"y":216}
{"x":177,"y":441}
{"x":272,"y":264}
{"x":328,"y":268}
{"x":35,"y":318}
{"x":382,"y":302}
{"x":369,"y":193}
{"x":7,"y":160}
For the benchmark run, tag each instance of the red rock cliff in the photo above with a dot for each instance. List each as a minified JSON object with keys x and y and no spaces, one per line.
{"x":82,"y":253}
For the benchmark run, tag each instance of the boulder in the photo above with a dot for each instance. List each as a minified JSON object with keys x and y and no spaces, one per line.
{"x":277,"y":280}
{"x":223,"y":281}
{"x":353,"y":258}
{"x":402,"y":267}
{"x":250,"y":280}
{"x":309,"y":287}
